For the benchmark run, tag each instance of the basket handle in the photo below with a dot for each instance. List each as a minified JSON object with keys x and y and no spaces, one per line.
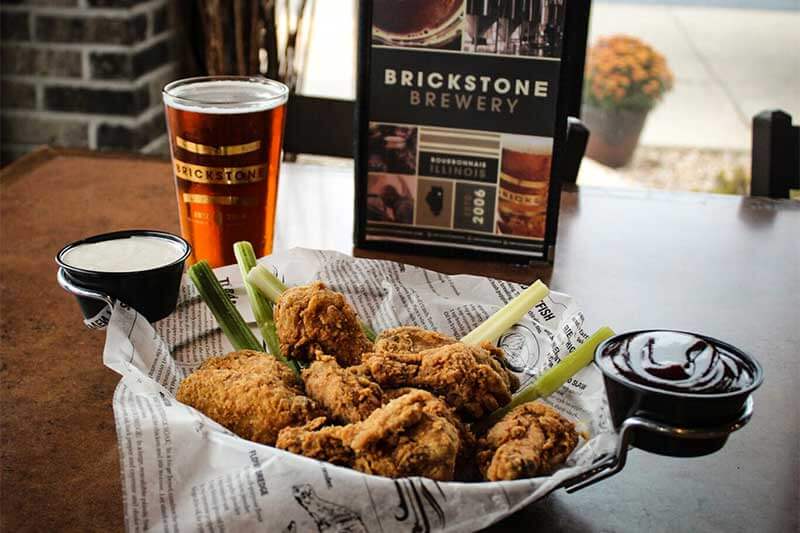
{"x":606,"y":466}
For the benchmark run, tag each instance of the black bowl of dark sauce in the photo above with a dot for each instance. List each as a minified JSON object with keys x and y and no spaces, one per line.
{"x":681,"y":379}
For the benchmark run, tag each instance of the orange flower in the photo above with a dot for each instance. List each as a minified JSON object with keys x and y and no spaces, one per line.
{"x":626,"y":71}
{"x":651,"y":88}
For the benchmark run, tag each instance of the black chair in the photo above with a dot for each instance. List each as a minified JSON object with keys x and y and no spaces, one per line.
{"x":577,"y":139}
{"x":319,"y":126}
{"x":775,"y":167}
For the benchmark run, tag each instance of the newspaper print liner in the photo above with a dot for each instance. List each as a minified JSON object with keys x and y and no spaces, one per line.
{"x":182,"y":471}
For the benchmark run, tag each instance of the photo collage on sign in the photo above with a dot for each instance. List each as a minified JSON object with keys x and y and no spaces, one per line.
{"x":447,"y":178}
{"x":487,"y":182}
{"x":504,"y":27}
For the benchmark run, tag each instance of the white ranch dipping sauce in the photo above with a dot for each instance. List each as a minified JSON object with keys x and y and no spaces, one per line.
{"x":128,"y":254}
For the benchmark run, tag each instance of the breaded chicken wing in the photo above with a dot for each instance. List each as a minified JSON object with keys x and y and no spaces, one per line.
{"x":531,"y":440}
{"x":392,"y":394}
{"x":314,"y":318}
{"x":346,"y":394}
{"x":499,"y":357}
{"x":412,"y":339}
{"x":465,"y":467}
{"x":250,"y":393}
{"x":413,"y":435}
{"x":331,"y":444}
{"x":468,"y":378}
{"x":409,"y":436}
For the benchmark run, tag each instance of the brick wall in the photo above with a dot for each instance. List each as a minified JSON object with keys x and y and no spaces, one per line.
{"x":84,"y":73}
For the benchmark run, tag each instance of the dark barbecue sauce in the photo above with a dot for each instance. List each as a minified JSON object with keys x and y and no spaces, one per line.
{"x":678,"y":362}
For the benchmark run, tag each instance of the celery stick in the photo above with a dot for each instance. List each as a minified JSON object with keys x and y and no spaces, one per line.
{"x":552,"y":379}
{"x":262,"y":308}
{"x":246,"y":259}
{"x":266,"y":282}
{"x":500,"y":322}
{"x":368,"y":331}
{"x":229,"y":319}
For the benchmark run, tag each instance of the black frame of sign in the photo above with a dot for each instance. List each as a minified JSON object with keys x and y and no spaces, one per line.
{"x":569,"y":94}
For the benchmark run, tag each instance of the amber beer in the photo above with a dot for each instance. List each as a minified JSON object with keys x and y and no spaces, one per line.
{"x":524,"y":186}
{"x":225,"y":137}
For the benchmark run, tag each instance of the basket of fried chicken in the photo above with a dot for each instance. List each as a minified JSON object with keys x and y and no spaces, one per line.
{"x":440,"y":405}
{"x":405,"y":402}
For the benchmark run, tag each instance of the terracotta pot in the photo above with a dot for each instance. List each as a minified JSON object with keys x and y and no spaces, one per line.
{"x":613,"y":134}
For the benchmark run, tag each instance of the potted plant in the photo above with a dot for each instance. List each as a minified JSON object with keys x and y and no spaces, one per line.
{"x":624,"y":80}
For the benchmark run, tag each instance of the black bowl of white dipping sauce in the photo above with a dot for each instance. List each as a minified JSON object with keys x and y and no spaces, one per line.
{"x":689,"y":383}
{"x":140,"y":268}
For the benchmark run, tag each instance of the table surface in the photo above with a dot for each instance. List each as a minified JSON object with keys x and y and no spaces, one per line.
{"x":723,"y":265}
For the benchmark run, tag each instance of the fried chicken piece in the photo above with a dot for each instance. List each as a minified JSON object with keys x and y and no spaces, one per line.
{"x":250,"y":393}
{"x":465,"y":467}
{"x":531,"y":440}
{"x":468,"y":378}
{"x":412,"y":339}
{"x":413,"y":435}
{"x":392,"y":394}
{"x":314,"y":318}
{"x":499,"y":357}
{"x":331,"y":444}
{"x":251,"y":360}
{"x":347,"y":395}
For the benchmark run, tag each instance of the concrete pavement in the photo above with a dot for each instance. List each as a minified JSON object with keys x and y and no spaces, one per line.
{"x":729,"y":64}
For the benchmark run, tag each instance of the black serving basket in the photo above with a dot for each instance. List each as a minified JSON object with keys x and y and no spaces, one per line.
{"x":153,"y":293}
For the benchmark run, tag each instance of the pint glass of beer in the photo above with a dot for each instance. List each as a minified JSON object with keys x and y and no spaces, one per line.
{"x":225,"y":138}
{"x":524,"y":185}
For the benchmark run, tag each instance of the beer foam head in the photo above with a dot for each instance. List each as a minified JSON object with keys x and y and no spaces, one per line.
{"x":527,"y":144}
{"x":225,"y":95}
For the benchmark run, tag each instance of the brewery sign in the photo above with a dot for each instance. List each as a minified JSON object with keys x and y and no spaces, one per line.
{"x":458,"y":107}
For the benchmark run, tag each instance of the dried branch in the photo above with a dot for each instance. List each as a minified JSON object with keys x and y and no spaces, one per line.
{"x":215,"y":42}
{"x":271,"y":39}
{"x":233,"y":34}
{"x":256,"y":31}
{"x":239,"y":36}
